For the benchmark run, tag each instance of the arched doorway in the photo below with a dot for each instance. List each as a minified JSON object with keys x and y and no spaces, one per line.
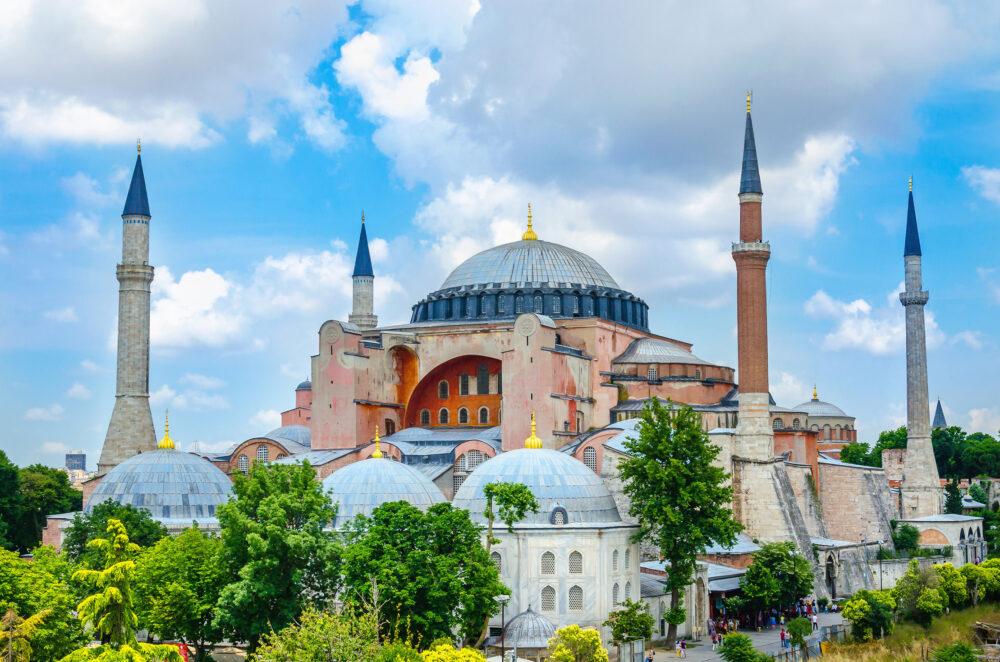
{"x":831,"y":576}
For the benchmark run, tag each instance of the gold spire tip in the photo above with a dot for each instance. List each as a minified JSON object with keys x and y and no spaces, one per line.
{"x":748,"y":102}
{"x":533,"y":441}
{"x":138,"y":145}
{"x":815,"y":395}
{"x":378,"y":451}
{"x":911,"y":183}
{"x":362,"y":217}
{"x":529,"y":234}
{"x":166,"y":442}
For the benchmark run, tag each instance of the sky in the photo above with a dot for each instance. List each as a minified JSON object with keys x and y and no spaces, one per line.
{"x":268,"y":127}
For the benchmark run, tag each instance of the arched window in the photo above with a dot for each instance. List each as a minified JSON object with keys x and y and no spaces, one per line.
{"x":538,"y":303}
{"x":496,"y":560}
{"x":826,"y":431}
{"x":559,"y":516}
{"x":628,"y":559}
{"x":443,"y":389}
{"x":576,"y":305}
{"x":243,"y":463}
{"x":628,"y":590}
{"x":548,"y":599}
{"x":614,"y":595}
{"x":262,"y":454}
{"x":576,"y":563}
{"x":548,"y":563}
{"x":576,"y":598}
{"x":518,"y":304}
{"x":443,"y":416}
{"x":463,"y":384}
{"x":281,"y":455}
{"x":651,"y":373}
{"x":484,"y":415}
{"x":500,"y":304}
{"x":795,"y":424}
{"x":697,"y":373}
{"x":557,"y":305}
{"x":463,"y":416}
{"x":778,"y":424}
{"x":590,"y":458}
{"x":614,"y":561}
{"x":425,"y":417}
{"x":456,"y":482}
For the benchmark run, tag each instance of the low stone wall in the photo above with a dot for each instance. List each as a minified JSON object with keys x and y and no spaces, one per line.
{"x":856,"y":502}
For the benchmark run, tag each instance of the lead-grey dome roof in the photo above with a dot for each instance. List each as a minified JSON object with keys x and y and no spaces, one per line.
{"x":529,"y":629}
{"x":170,"y":484}
{"x":557,"y":480}
{"x":821,"y":409}
{"x":654,"y":350}
{"x":533,"y":261}
{"x":300,"y":434}
{"x":361,"y":487}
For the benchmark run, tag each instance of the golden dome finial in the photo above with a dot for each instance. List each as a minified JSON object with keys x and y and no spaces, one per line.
{"x":815,"y":395}
{"x":529,"y":234}
{"x":138,"y":145}
{"x":166,"y":442}
{"x":362,"y":217}
{"x":533,"y":441}
{"x":378,"y":451}
{"x":911,"y":183}
{"x":748,"y":102}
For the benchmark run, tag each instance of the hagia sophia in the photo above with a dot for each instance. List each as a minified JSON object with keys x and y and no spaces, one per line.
{"x":530,"y":363}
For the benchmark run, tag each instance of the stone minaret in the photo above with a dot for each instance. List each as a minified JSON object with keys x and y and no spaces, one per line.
{"x":364,"y":285}
{"x":754,"y":436}
{"x":921,"y":489}
{"x":131,"y":429}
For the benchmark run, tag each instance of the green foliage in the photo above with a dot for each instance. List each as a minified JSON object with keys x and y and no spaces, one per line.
{"x":948,"y":445}
{"x":448,"y":653}
{"x":959,"y":652}
{"x":791,"y":573}
{"x":513,"y":503}
{"x":276,"y":552}
{"x":397,"y":652}
{"x":980,"y":456}
{"x":429,"y":569}
{"x":10,"y":499}
{"x":575,"y":644}
{"x":43,"y":491}
{"x":344,"y":636}
{"x":905,"y":537}
{"x":16,"y":634}
{"x":738,"y":647}
{"x":179,"y":581}
{"x":823,"y":602}
{"x":953,"y":498}
{"x":632,"y":621}
{"x":144,"y":530}
{"x":29,"y":587}
{"x":930,"y":604}
{"x":918,"y":594}
{"x":887,"y":440}
{"x":871,"y":614}
{"x":953,"y":585}
{"x":856,"y":453}
{"x":677,"y":493}
{"x":759,"y":588}
{"x":979,"y":494}
{"x":798,"y":630}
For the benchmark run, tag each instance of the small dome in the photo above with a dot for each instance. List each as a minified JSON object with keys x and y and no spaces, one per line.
{"x":170,"y":484}
{"x":304,"y":386}
{"x":297,"y":433}
{"x":529,"y":629}
{"x":559,"y":482}
{"x":654,"y":350}
{"x":530,"y":261}
{"x":361,"y":487}
{"x":821,"y":409}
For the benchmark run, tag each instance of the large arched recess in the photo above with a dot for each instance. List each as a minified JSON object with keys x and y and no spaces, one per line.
{"x":405,"y":369}
{"x":426,"y":394}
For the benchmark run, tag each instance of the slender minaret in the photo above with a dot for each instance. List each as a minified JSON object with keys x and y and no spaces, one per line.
{"x":921,"y":488}
{"x":754,"y":436}
{"x":364,"y":285}
{"x":131,"y":429}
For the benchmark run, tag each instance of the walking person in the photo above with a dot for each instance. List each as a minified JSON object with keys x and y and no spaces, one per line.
{"x":784,"y":638}
{"x":815,"y":620}
{"x":684,"y":648}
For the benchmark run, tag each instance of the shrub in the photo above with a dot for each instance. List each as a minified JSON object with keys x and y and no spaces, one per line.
{"x":870,"y":614}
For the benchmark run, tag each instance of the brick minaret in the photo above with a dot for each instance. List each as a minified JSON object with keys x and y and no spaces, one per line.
{"x":131,"y":429}
{"x":364,"y":284}
{"x":754,"y":437}
{"x":921,"y":489}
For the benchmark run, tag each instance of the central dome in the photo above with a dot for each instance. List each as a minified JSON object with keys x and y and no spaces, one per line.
{"x":530,"y":262}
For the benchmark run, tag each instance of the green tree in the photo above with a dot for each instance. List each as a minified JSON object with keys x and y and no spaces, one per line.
{"x":43,"y":492}
{"x":905,"y":537}
{"x":429,"y":568}
{"x":111,"y":610}
{"x":953,"y":585}
{"x":887,"y":440}
{"x":276,"y":551}
{"x":513,"y":502}
{"x":448,"y":653}
{"x":959,"y":652}
{"x":179,"y":581}
{"x":980,"y":456}
{"x":575,"y":644}
{"x":16,"y":634}
{"x":631,"y":622}
{"x":798,"y":630}
{"x":953,"y":498}
{"x":677,"y":493}
{"x":917,"y":594}
{"x":88,"y":526}
{"x":792,"y":572}
{"x":977,"y":492}
{"x":10,"y":499}
{"x":759,"y":588}
{"x":856,"y":453}
{"x":738,"y":647}
{"x":871,"y":614}
{"x":948,"y":444}
{"x":322,"y":636}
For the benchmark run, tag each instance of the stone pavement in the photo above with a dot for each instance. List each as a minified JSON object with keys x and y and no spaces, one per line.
{"x":766,"y":641}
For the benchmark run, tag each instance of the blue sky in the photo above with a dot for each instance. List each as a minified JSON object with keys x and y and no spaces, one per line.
{"x":267,"y":129}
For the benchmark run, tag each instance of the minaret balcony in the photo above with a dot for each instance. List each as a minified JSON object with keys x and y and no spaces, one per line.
{"x":918,"y":298}
{"x":752,"y":247}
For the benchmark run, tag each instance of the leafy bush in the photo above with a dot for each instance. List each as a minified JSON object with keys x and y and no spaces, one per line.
{"x":738,"y":647}
{"x":960,"y":652}
{"x":905,"y":537}
{"x":870,"y":614}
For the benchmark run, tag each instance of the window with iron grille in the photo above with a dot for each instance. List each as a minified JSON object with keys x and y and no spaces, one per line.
{"x":614,"y":595}
{"x":590,"y":458}
{"x":628,"y":590}
{"x":576,"y":598}
{"x":559,"y":517}
{"x":262,"y":454}
{"x":496,"y":560}
{"x":243,"y":463}
{"x":443,"y":416}
{"x":548,"y":599}
{"x":443,"y":389}
{"x":576,"y":305}
{"x":628,"y":559}
{"x":518,"y":304}
{"x":500,"y":303}
{"x":576,"y":563}
{"x":651,"y":373}
{"x":778,"y":424}
{"x":463,"y":416}
{"x":475,"y":458}
{"x":557,"y":305}
{"x":456,"y":482}
{"x":463,"y":384}
{"x":425,"y":417}
{"x":614,"y":561}
{"x":548,"y":563}
{"x":484,"y":415}
{"x":538,"y":304}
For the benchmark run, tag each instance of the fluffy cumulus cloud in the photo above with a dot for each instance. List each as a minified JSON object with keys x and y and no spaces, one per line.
{"x":193,"y":399}
{"x":788,"y":389}
{"x":51,"y":413}
{"x":78,"y":392}
{"x":122,"y":71}
{"x":985,"y":420}
{"x":184,"y":311}
{"x":984,"y":181}
{"x":266,"y":419}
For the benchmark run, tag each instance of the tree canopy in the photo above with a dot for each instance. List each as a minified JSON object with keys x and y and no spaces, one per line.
{"x":778,"y":570}
{"x":630,"y":622}
{"x":953,"y":498}
{"x":575,"y":644}
{"x":957,"y":454}
{"x":144,"y":530}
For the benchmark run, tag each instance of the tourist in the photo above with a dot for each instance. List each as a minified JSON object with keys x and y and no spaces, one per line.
{"x":815,"y":620}
{"x":784,"y":638}
{"x":684,"y":648}
{"x":677,"y":649}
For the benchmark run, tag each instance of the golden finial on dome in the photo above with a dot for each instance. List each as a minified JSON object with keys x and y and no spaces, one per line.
{"x":529,"y":234}
{"x":748,"y":102}
{"x":166,"y":442}
{"x":815,"y":395}
{"x":533,"y":441}
{"x":911,"y":183}
{"x":378,"y":452}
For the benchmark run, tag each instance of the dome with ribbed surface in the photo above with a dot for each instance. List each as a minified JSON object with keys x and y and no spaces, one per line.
{"x":361,"y":487}
{"x":529,"y":629}
{"x":300,"y":434}
{"x":526,"y":262}
{"x":172,"y":485}
{"x":818,"y":408}
{"x":560,"y":483}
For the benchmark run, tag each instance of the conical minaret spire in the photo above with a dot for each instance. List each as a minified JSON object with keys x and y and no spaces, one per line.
{"x":921,"y":488}
{"x":363,"y":279}
{"x":131,"y":428}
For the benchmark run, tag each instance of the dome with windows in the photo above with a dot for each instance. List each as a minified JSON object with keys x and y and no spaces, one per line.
{"x":817,"y":408}
{"x":361,"y":487}
{"x":567,"y":491}
{"x":531,"y":276}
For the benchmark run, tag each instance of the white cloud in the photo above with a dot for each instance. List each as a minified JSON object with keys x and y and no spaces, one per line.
{"x":78,"y":392}
{"x":55,"y":447}
{"x":89,"y":366}
{"x":378,"y":248}
{"x":202,"y":381}
{"x":67,"y":314}
{"x":993,"y":287}
{"x":266,"y":419}
{"x":51,"y":413}
{"x":788,"y":389}
{"x":972,"y":339}
{"x":200,"y":401}
{"x":984,"y":420}
{"x":87,"y":191}
{"x":207,"y":447}
{"x":185,"y":312}
{"x":162,"y":396}
{"x":984,"y":181}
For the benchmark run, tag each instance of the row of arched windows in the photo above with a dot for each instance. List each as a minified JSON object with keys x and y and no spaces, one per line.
{"x":464,"y":382}
{"x":444,"y":416}
{"x":615,"y":601}
{"x":548,"y":562}
{"x":614,"y":560}
{"x":263,"y":455}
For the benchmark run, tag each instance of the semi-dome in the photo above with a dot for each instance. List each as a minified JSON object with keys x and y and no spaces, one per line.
{"x":568,"y":492}
{"x":361,"y":487}
{"x":821,"y":409}
{"x":299,"y":434}
{"x":529,"y":263}
{"x":170,"y":484}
